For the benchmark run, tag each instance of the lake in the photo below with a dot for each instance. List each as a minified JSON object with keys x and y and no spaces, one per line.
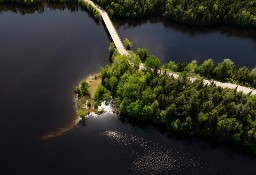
{"x":171,"y":41}
{"x":44,"y":55}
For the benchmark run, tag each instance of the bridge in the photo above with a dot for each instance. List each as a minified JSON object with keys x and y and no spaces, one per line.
{"x":120,"y":47}
{"x":111,"y":29}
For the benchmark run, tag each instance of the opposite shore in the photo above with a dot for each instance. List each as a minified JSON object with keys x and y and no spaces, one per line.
{"x":199,"y":13}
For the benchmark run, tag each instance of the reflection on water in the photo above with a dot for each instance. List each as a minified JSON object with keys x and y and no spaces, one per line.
{"x":43,"y":56}
{"x":77,"y":121}
{"x":39,"y":7}
{"x":171,"y":41}
{"x":249,"y":33}
{"x":106,"y":145}
{"x":153,"y":158}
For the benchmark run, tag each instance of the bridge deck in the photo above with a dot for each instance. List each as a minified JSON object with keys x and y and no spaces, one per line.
{"x":119,"y":45}
{"x":111,"y":29}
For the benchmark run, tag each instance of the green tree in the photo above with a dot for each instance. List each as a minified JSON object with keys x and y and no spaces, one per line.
{"x":175,"y":125}
{"x":113,"y":81}
{"x":152,"y":63}
{"x":253,"y":77}
{"x":85,"y":89}
{"x":202,"y":117}
{"x":148,"y":96}
{"x":143,"y":54}
{"x":172,"y":66}
{"x":102,"y":94}
{"x":179,"y":104}
{"x":192,"y":67}
{"x":243,"y":75}
{"x":77,"y":90}
{"x":148,"y":111}
{"x":206,"y":69}
{"x":127,"y":44}
{"x":225,"y":70}
{"x":112,"y":49}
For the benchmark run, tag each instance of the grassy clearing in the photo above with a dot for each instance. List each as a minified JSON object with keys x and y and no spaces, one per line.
{"x":85,"y":95}
{"x":93,"y":81}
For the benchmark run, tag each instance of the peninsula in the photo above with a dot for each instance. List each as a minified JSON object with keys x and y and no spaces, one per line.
{"x":151,"y":94}
{"x":175,"y":96}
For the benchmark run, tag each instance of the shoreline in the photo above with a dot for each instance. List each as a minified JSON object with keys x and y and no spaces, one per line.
{"x":92,"y":109}
{"x":142,"y":92}
{"x":87,"y":104}
{"x":39,"y":5}
{"x":98,"y":106}
{"x":76,"y":119}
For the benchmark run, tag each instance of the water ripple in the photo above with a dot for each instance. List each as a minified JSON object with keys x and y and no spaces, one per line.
{"x":150,"y":158}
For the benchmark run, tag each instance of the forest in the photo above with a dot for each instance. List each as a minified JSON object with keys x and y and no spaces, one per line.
{"x":196,"y":12}
{"x":149,"y":94}
{"x":225,"y":71}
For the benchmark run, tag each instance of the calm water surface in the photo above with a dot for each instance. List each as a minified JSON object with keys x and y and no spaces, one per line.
{"x":170,"y":41}
{"x":42,"y":56}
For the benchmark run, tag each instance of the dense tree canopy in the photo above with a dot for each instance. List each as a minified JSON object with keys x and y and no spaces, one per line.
{"x":82,"y":89}
{"x":30,"y":6}
{"x":200,"y":12}
{"x":127,"y":44}
{"x":177,"y":103}
{"x":225,"y":71}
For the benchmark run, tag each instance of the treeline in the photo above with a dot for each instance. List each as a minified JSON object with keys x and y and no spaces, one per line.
{"x":82,"y":90}
{"x":132,"y":8}
{"x":199,"y":12}
{"x":224,"y":71}
{"x":90,"y":9}
{"x":35,"y":2}
{"x":178,"y":105}
{"x":212,"y":11}
{"x":31,"y":6}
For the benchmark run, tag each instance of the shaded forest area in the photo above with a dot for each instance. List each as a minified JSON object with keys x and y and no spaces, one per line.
{"x":32,"y":6}
{"x":225,"y":71}
{"x":197,"y":12}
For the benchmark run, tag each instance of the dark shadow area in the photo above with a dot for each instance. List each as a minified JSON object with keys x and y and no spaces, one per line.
{"x":39,"y":7}
{"x":230,"y":149}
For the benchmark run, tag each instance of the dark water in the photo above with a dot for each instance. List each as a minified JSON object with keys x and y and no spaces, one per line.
{"x":105,"y":145}
{"x":42,"y":56}
{"x":170,"y":41}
